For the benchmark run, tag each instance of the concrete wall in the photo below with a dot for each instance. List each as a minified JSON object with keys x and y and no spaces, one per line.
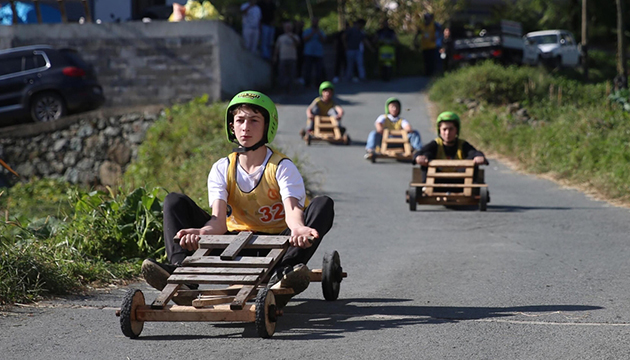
{"x":154,"y":63}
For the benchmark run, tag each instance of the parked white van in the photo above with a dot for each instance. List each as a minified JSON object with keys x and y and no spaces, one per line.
{"x":554,"y":48}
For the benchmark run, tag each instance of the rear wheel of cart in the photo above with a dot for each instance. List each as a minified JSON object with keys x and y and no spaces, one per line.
{"x":332,"y":274}
{"x":483,"y":199}
{"x":412,"y":198}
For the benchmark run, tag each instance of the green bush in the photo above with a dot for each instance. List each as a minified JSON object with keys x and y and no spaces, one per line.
{"x":116,"y":227}
{"x":497,"y":85}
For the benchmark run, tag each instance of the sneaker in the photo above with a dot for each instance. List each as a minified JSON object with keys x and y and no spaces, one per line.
{"x":297,"y":278}
{"x":156,"y":274}
{"x":368,"y":155}
{"x":302,"y":133}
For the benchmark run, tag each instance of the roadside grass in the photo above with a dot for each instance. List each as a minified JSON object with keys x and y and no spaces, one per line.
{"x":57,"y":238}
{"x":572,"y":131}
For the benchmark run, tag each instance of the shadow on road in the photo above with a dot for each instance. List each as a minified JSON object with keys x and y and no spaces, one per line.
{"x":516,"y":208}
{"x":498,"y":208}
{"x":351,"y":315}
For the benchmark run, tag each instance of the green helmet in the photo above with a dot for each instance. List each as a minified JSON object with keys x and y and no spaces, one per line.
{"x":253,"y":98}
{"x":389,"y":101}
{"x":448,"y":116}
{"x":326,"y":85}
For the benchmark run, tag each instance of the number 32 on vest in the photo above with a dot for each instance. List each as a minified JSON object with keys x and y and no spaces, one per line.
{"x":271,"y":213}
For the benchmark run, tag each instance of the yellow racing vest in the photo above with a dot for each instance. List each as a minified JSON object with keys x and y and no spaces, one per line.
{"x":392,"y":125}
{"x":323,"y":107}
{"x":441,"y":154}
{"x":260,"y":210}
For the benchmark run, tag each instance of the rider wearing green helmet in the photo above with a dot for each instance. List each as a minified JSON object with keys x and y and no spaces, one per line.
{"x":253,"y":189}
{"x":259,"y":103}
{"x":393,"y":121}
{"x":448,"y":145}
{"x":323,"y":105}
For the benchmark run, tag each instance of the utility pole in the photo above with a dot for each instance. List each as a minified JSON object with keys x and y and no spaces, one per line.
{"x":15,"y":16}
{"x":584,"y":41}
{"x":621,"y":47}
{"x":86,"y":8}
{"x":341,"y":11}
{"x":38,"y":11}
{"x":62,"y":9}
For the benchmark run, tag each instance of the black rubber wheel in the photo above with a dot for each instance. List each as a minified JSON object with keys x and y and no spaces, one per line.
{"x":265,"y":313}
{"x":412,"y":193}
{"x":131,"y":328}
{"x":47,"y":106}
{"x":483,"y":199}
{"x":373,"y":158}
{"x":331,"y":276}
{"x":346,"y":139}
{"x":308,"y":140}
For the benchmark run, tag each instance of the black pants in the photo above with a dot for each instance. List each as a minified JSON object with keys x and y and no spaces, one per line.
{"x":429,"y":57}
{"x":181,"y":212}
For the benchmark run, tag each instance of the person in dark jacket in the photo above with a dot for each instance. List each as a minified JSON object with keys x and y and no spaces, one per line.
{"x":448,"y":145}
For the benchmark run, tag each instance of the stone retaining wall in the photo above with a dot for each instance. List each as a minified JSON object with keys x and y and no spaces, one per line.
{"x":93,"y":151}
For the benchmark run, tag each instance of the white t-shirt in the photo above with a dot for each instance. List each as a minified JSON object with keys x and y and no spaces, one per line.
{"x":289,"y":180}
{"x":287,"y":47}
{"x":381,"y":119}
{"x":251,"y":19}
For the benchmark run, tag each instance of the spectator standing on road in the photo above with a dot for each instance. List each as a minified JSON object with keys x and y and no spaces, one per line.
{"x":313,"y":38}
{"x":268,"y":30}
{"x":251,"y":24}
{"x":446,"y":50}
{"x":428,"y":43}
{"x":285,"y":55}
{"x":353,"y":38}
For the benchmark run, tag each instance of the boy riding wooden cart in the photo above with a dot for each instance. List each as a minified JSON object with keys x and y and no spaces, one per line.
{"x":234,"y":282}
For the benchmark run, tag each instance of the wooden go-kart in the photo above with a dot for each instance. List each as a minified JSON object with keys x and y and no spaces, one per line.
{"x":326,"y":128}
{"x":395,"y":145}
{"x":238,"y":285}
{"x":449,"y":183}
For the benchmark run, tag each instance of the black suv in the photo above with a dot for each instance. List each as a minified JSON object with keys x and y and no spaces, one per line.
{"x":45,"y":83}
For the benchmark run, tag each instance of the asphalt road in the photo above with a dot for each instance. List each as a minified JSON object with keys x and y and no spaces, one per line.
{"x":543,"y":274}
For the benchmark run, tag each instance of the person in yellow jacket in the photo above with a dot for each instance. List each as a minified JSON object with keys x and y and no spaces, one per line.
{"x":428,"y":43}
{"x":447,"y":145}
{"x":253,"y":189}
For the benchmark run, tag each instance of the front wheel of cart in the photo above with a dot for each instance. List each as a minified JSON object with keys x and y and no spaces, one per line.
{"x":266,"y":316}
{"x":131,"y":327}
{"x":483,"y":199}
{"x":332,"y":274}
